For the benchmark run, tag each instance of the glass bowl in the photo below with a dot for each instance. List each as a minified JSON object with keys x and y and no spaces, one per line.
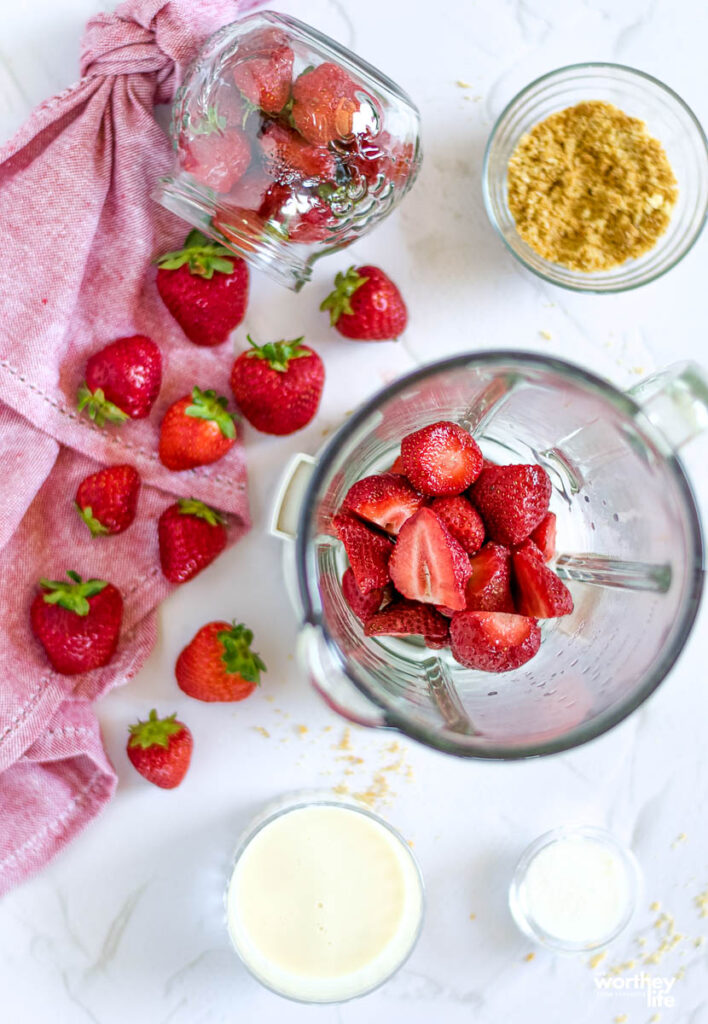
{"x":627,"y":879}
{"x":668,"y":119}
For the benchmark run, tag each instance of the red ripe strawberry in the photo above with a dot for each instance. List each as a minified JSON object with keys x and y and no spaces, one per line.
{"x":295,"y":215}
{"x":218,"y":663}
{"x":489,"y":587}
{"x":288,"y":158}
{"x":196,"y":430}
{"x":205,"y":288}
{"x":325,"y":102}
{"x":386,"y":500}
{"x":512,"y":501}
{"x":215,"y":154}
{"x":278,"y":386}
{"x":544,"y":536}
{"x":409,"y":618}
{"x":122,"y":380}
{"x":77,"y":623}
{"x":462,"y":520}
{"x":368,"y":551}
{"x":264,"y":77}
{"x":366,"y":305}
{"x":191,"y":535}
{"x":398,"y":466}
{"x":493,"y":641}
{"x":540,"y":592}
{"x":106,"y":501}
{"x":160,"y":749}
{"x":363,"y":605}
{"x":380,"y":158}
{"x":428,"y":564}
{"x":441,"y":459}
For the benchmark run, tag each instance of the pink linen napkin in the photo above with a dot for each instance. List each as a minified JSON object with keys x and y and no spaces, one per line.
{"x":80,"y":231}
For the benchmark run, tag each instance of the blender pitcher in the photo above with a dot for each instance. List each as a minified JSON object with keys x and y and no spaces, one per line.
{"x":629,"y":544}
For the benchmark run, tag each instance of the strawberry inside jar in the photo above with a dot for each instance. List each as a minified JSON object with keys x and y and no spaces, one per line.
{"x":282,"y":138}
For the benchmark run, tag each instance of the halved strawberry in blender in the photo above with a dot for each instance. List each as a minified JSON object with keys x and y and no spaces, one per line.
{"x":462,"y":520}
{"x":489,"y":587}
{"x":363,"y":605}
{"x":544,"y":536}
{"x":217,"y":158}
{"x":264,"y":75}
{"x":386,"y":500}
{"x":493,"y":641}
{"x":441,"y":459}
{"x":287,"y":157}
{"x":512,"y":500}
{"x":368,"y":551}
{"x":428,"y":564}
{"x":410,"y":618}
{"x":540,"y":592}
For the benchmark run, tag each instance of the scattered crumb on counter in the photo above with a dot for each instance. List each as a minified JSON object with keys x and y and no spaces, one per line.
{"x":681,"y":837}
{"x":327,"y":728}
{"x":655,"y":905}
{"x":262,"y":730}
{"x":301,"y":730}
{"x":641,"y":941}
{"x":616,"y":969}
{"x":620,"y":1018}
{"x":270,"y":698}
{"x":702,"y":903}
{"x":376,"y":792}
{"x":410,"y":843}
{"x":342,"y":789}
{"x":473,"y":917}
{"x":462,"y":84}
{"x":529,"y":957}
{"x":345,"y":743}
{"x":655,"y":1018}
{"x":700,"y":941}
{"x":679,"y":973}
{"x":596,"y":959}
{"x":639,"y":370}
{"x":546,"y":335}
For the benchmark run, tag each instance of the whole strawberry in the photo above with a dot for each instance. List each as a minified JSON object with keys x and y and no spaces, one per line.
{"x":288,"y":157}
{"x":196,"y":430}
{"x":278,"y":386}
{"x":77,"y":623}
{"x":325,"y":102}
{"x":191,"y":535}
{"x":122,"y":380}
{"x":218,"y":663}
{"x":215,"y":153}
{"x":106,"y":501}
{"x":160,"y":749}
{"x":264,"y":77}
{"x":205,"y":288}
{"x":366,"y":305}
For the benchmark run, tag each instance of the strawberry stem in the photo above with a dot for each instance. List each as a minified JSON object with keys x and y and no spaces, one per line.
{"x":95,"y":525}
{"x":202,"y":256}
{"x":278,"y":353}
{"x":207,"y":406}
{"x":156,"y":732}
{"x":192,"y":507}
{"x":98,"y":407}
{"x":72,"y":596}
{"x":238,"y":656}
{"x":339,"y":300}
{"x":214,"y":122}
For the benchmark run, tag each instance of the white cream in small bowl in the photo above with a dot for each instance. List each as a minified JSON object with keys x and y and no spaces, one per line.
{"x":325,"y":901}
{"x":574,"y":889}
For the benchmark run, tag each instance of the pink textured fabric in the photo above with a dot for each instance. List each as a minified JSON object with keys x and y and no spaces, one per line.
{"x":80,"y":231}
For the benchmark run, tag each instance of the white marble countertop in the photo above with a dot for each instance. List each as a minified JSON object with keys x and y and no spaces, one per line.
{"x":126,"y":923}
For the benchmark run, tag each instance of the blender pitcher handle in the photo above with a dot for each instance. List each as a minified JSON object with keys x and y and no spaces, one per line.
{"x":291,"y":490}
{"x":675,"y":401}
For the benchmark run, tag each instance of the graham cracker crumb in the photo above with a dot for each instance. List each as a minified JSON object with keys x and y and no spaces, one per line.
{"x":262,"y":730}
{"x":589,"y":187}
{"x":596,"y":960}
{"x":529,"y":957}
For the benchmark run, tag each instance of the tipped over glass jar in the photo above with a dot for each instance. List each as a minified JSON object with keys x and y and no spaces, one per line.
{"x":288,"y":146}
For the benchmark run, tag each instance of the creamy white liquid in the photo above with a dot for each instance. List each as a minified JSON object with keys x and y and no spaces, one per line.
{"x":324,"y":903}
{"x":577,"y":890}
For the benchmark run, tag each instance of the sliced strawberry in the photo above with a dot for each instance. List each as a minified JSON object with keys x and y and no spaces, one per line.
{"x":363,"y":605}
{"x":489,"y":587}
{"x":428,"y":564}
{"x":544,"y":536}
{"x":462,"y":520}
{"x":409,"y":618}
{"x":540,"y":592}
{"x":368,"y":551}
{"x":398,"y":466}
{"x":441,"y":459}
{"x":512,"y":501}
{"x":493,"y":641}
{"x":386,"y":500}
{"x":264,"y":78}
{"x":288,"y":158}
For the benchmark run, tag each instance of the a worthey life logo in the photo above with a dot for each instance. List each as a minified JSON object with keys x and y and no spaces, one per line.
{"x":656,"y":990}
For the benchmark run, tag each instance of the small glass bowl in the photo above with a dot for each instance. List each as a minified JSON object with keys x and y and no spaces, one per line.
{"x":668,"y":119}
{"x":519,"y":902}
{"x":296,"y":801}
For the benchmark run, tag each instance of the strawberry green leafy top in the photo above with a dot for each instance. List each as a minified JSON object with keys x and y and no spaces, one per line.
{"x":192,"y":507}
{"x":156,"y":732}
{"x":278,"y":353}
{"x":338,"y":301}
{"x":202,"y":256}
{"x":238,"y":656}
{"x":206,"y":406}
{"x":72,"y":596}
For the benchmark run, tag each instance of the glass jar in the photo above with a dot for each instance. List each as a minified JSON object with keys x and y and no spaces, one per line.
{"x":288,"y":146}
